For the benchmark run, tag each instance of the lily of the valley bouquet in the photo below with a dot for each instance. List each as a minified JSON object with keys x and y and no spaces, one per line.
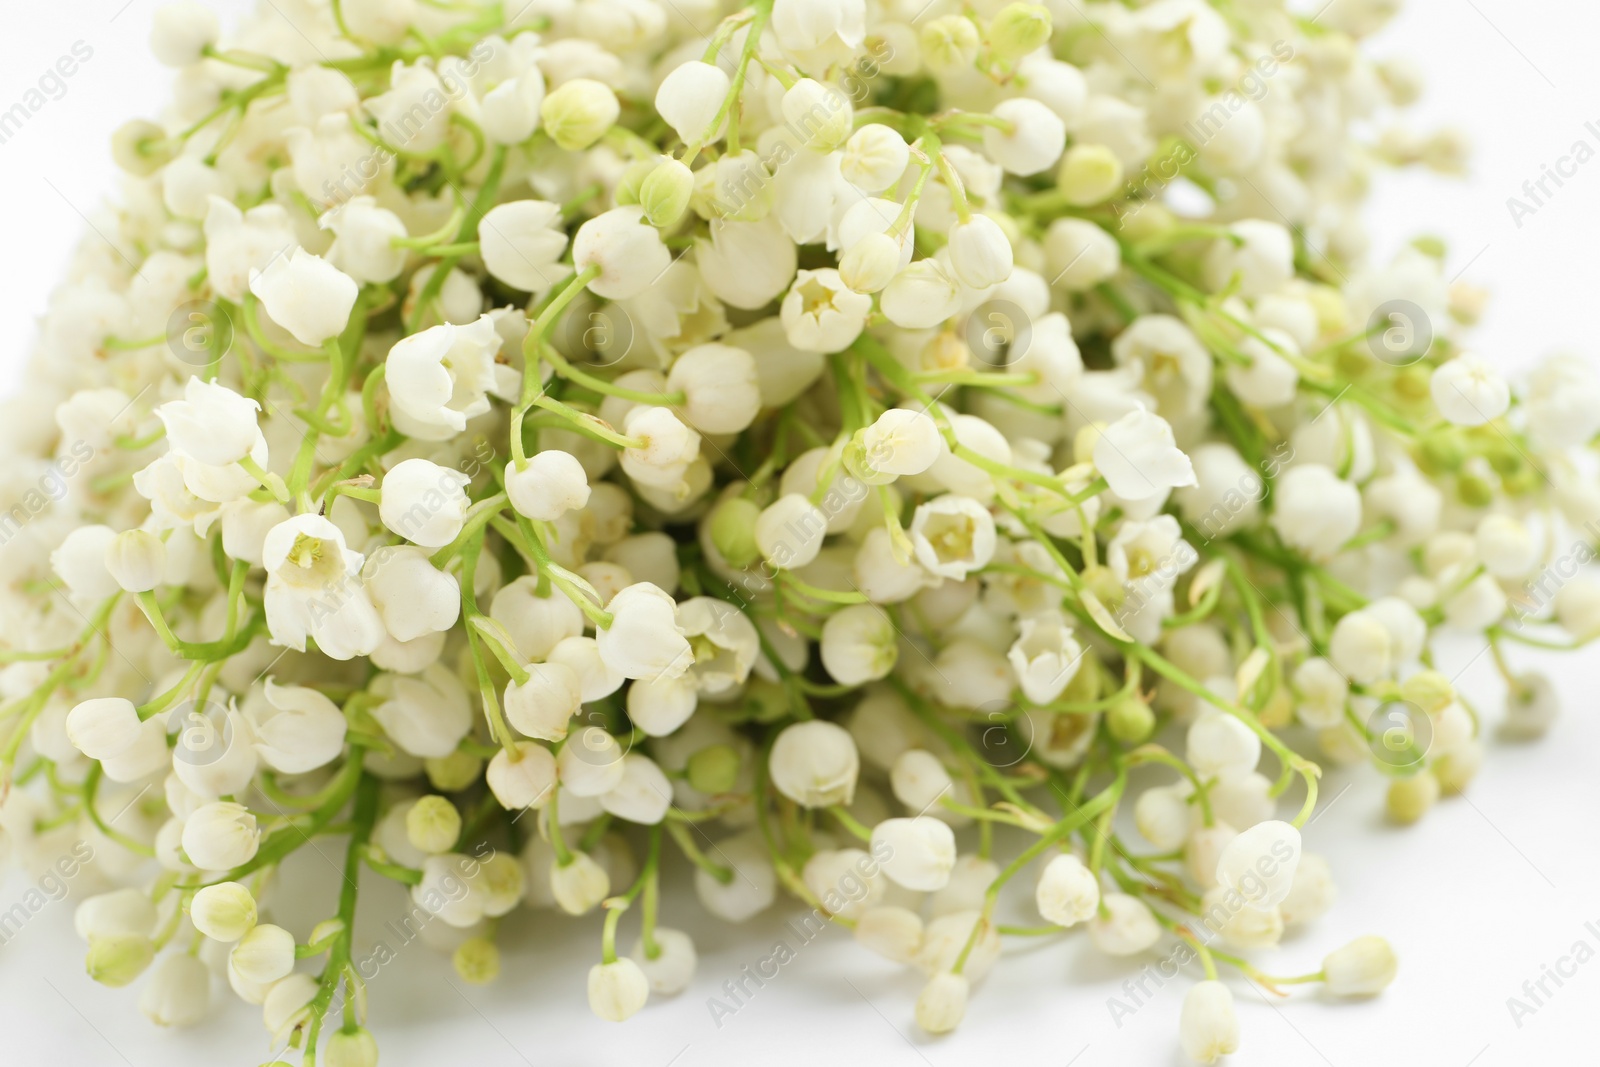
{"x":951,"y":464}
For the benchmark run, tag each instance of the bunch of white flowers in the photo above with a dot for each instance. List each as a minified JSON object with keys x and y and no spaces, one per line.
{"x":803,"y":427}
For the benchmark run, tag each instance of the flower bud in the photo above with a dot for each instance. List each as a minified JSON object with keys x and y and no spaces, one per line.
{"x":364,"y":240}
{"x":477,"y":961}
{"x":424,"y":502}
{"x":578,"y":113}
{"x":1410,"y":798}
{"x":899,"y":443}
{"x":1259,"y":864}
{"x":284,"y":1004}
{"x":921,"y":296}
{"x":141,"y":148}
{"x":921,"y":851}
{"x":732,"y":531}
{"x":1079,"y":254}
{"x":306,"y":295}
{"x":892,"y":932}
{"x":790,"y":531}
{"x":942,"y":1003}
{"x":543,"y":705}
{"x":352,"y":1048}
{"x":103,"y":727}
{"x":579,"y":885}
{"x":859,"y":644}
{"x":1017,"y":30}
{"x":691,"y":97}
{"x":751,"y":885}
{"x":452,"y":888}
{"x":181,"y":32}
{"x":617,"y":990}
{"x":117,"y":959}
{"x":178,"y":992}
{"x":714,"y":770}
{"x":1067,"y":893}
{"x":590,"y":763}
{"x":137,"y":559}
{"x":1456,"y":768}
{"x":1126,"y":928}
{"x":1468,"y":391}
{"x":665,"y":193}
{"x":528,"y":781}
{"x":818,"y":114}
{"x":871,"y":263}
{"x":453,"y":773}
{"x":980,"y":252}
{"x":1089,"y":174}
{"x":212,"y":424}
{"x":264,"y":955}
{"x":667,"y":447}
{"x":949,"y":43}
{"x":1130,"y":720}
{"x":672,"y":968}
{"x":1362,"y":968}
{"x":1218,"y":744}
{"x":220,"y":836}
{"x":1030,"y":140}
{"x":1208,"y":1027}
{"x":121,"y":911}
{"x":815,"y":764}
{"x":919,"y":780}
{"x":874,"y":158}
{"x":223,"y":912}
{"x":720,"y":386}
{"x":1161,"y":815}
{"x":433,"y":824}
{"x":1428,"y":690}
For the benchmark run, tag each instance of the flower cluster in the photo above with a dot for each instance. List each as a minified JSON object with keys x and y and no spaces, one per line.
{"x":901,"y":446}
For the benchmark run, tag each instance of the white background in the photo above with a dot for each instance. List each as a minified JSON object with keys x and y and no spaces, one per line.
{"x":1477,"y":899}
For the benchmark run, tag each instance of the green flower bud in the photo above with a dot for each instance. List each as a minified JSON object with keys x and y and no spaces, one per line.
{"x":1017,"y":30}
{"x":119,"y":959}
{"x":1474,"y":490}
{"x":1431,"y":245}
{"x":353,"y":1048}
{"x":665,"y":194}
{"x":949,"y":43}
{"x":1503,"y":456}
{"x":714,"y":769}
{"x":1130,"y":721}
{"x":632,"y":180}
{"x":1412,"y":382}
{"x":1086,"y":682}
{"x":141,"y":148}
{"x":579,"y":113}
{"x":1443,"y":450}
{"x":453,"y":773}
{"x":1354,"y":362}
{"x":223,"y":912}
{"x":765,"y":701}
{"x":1089,"y":174}
{"x":1524,"y":480}
{"x":477,"y":961}
{"x":1456,"y":768}
{"x":1151,"y":220}
{"x":1105,"y":585}
{"x":1410,"y":798}
{"x":433,"y":824}
{"x":733,"y":531}
{"x":1428,"y":690}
